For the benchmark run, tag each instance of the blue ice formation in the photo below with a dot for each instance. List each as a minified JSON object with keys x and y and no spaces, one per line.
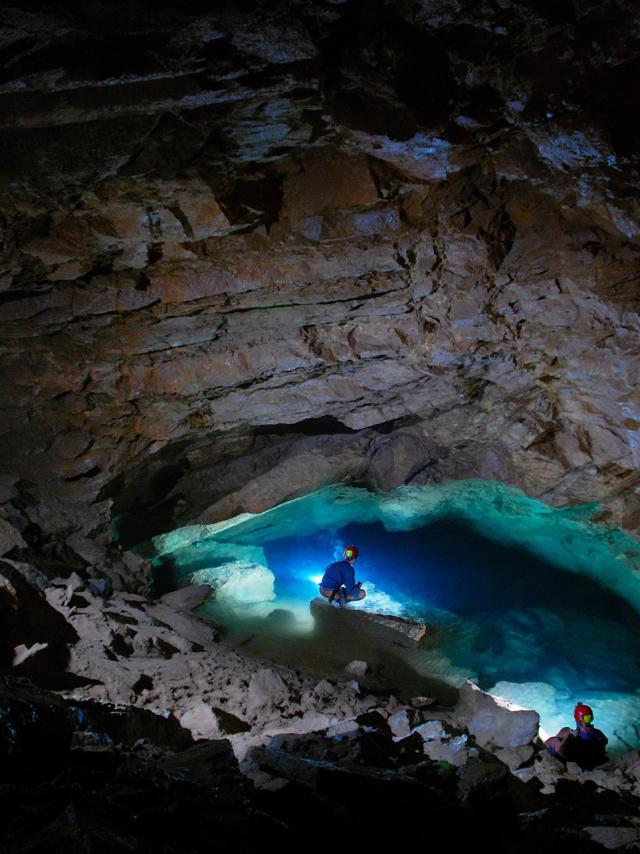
{"x":541,"y":640}
{"x":566,"y":538}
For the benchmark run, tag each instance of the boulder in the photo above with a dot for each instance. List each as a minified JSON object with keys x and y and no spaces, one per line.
{"x":613,"y":837}
{"x":515,"y":757}
{"x":240,"y":582}
{"x":201,"y":721}
{"x":430,"y":730}
{"x":309,"y":722}
{"x":399,"y":724}
{"x":229,"y":723}
{"x":206,"y":721}
{"x":356,"y":669}
{"x":21,"y":652}
{"x":266,"y":689}
{"x":185,"y":625}
{"x":323,"y":690}
{"x":440,"y":744}
{"x":77,"y":594}
{"x":494,"y":721}
{"x":422,"y":702}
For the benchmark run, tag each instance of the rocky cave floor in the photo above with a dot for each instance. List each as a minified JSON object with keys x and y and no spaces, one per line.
{"x":128,"y":724}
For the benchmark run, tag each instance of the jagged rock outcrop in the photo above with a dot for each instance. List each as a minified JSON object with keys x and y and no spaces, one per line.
{"x":126,"y":649}
{"x":494,"y":721}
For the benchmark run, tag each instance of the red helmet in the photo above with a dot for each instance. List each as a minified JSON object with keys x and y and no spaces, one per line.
{"x":583,"y":714}
{"x":351,"y":552}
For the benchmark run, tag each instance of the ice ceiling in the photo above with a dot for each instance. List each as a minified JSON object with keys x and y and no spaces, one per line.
{"x":566,"y":538}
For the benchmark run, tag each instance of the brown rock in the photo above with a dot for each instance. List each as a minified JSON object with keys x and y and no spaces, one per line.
{"x":328,"y":179}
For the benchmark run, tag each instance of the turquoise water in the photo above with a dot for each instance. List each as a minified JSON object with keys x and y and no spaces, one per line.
{"x":530,"y":624}
{"x":506,"y":616}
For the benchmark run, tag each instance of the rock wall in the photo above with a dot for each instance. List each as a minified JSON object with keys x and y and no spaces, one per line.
{"x":254,"y":251}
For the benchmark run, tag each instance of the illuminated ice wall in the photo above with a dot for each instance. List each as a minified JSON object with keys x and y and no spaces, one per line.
{"x":542,"y":654}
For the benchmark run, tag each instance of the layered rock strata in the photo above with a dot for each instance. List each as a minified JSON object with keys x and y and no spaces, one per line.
{"x":366,"y":242}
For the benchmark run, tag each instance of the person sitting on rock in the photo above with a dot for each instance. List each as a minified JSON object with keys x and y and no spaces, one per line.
{"x":585,"y":745}
{"x":339,"y":583}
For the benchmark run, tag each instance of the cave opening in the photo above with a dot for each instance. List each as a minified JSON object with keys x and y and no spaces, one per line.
{"x":530,"y":603}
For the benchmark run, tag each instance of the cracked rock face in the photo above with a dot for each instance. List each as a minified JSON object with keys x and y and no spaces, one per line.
{"x":254,"y":251}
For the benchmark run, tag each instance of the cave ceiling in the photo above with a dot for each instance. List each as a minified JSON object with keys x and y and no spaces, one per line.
{"x":252,"y":251}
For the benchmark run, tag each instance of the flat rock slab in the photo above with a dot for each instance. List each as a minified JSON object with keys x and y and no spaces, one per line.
{"x":187,"y":626}
{"x":187,"y":598}
{"x":495,"y":721}
{"x":397,"y":629}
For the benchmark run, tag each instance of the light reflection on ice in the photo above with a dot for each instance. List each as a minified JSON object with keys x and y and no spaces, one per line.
{"x":533,"y":655}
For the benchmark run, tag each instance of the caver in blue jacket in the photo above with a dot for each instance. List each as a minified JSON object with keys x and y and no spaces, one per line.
{"x":340,"y":573}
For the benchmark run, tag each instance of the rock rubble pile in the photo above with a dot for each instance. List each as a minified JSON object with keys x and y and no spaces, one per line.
{"x":151,"y":679}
